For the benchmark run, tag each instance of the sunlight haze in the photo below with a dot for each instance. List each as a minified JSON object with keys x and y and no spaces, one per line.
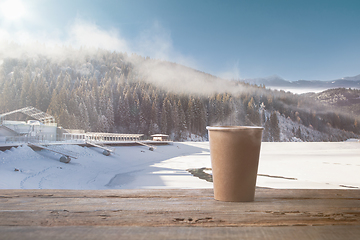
{"x":12,"y":9}
{"x":310,"y":40}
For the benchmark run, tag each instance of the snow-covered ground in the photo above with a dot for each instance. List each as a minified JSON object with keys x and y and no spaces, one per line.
{"x":282,"y":165}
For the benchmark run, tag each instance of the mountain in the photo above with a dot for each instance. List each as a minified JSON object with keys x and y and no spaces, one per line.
{"x":355,"y":78}
{"x":346,"y":100}
{"x":268,"y":81}
{"x":316,"y":85}
{"x":102,"y":91}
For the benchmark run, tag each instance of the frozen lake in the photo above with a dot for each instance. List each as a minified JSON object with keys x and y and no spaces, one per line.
{"x":282,"y":165}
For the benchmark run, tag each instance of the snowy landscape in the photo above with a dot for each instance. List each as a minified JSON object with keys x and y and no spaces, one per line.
{"x":305,"y":165}
{"x":56,"y":93}
{"x":106,"y":108}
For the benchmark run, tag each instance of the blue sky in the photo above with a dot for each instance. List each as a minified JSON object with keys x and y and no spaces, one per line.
{"x":311,"y":40}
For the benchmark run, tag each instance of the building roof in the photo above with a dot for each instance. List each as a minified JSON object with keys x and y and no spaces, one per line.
{"x":34,"y":113}
{"x":113,"y":134}
{"x":159,"y":135}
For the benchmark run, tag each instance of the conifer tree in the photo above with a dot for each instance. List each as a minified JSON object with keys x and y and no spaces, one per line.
{"x":252,"y":113}
{"x":274,"y":127}
{"x":298,"y":133}
{"x":182,"y":120}
{"x":42,"y":94}
{"x":84,"y":116}
{"x":24,"y":95}
{"x":109,"y":113}
{"x":154,"y":124}
{"x":124,"y":113}
{"x":267,"y":132}
{"x":32,"y":94}
{"x":164,"y":121}
{"x":190,"y":115}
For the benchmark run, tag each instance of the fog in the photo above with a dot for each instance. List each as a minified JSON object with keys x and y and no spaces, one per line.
{"x":83,"y":38}
{"x":181,"y":79}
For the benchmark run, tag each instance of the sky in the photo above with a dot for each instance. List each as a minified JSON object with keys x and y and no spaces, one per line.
{"x":293,"y":39}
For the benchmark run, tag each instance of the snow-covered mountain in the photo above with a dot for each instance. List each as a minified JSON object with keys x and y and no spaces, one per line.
{"x":268,"y":81}
{"x":354,"y":78}
{"x":106,"y":91}
{"x":280,"y":83}
{"x":346,"y":100}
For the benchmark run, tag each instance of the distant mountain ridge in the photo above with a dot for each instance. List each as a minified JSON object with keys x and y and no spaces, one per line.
{"x":354,"y":78}
{"x":348,"y":100}
{"x":276,"y":81}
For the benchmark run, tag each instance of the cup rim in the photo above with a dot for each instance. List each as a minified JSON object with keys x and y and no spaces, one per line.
{"x":232,"y":128}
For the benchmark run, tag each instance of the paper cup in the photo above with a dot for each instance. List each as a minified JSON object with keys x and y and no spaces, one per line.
{"x":234,"y":152}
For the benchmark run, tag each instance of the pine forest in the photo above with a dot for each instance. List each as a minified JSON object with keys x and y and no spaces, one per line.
{"x":103,"y":91}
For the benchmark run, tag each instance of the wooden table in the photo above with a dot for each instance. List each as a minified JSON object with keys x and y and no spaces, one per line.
{"x":178,"y":214}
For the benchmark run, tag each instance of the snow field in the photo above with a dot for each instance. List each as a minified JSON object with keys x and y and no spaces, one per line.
{"x":282,"y":165}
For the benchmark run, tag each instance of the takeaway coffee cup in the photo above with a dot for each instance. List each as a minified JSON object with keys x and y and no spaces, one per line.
{"x":234,"y":152}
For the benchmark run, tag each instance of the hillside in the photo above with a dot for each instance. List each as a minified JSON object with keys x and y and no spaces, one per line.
{"x":346,"y":100}
{"x":102,"y":91}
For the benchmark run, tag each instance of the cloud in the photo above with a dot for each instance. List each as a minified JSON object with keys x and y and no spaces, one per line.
{"x":79,"y":34}
{"x":181,"y":79}
{"x":155,"y":42}
{"x":233,"y":72}
{"x":86,"y":34}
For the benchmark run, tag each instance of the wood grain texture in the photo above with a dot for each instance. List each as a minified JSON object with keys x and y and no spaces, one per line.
{"x":176,"y":210}
{"x":169,"y":233}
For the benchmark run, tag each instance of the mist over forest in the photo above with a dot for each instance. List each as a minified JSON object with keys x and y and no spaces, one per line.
{"x":102,"y":91}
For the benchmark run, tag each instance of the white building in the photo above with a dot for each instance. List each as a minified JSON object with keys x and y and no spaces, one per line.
{"x":160,"y":137}
{"x":31,"y":130}
{"x":43,"y":128}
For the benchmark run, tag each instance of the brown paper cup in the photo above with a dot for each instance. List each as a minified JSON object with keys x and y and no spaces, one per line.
{"x":234,"y":154}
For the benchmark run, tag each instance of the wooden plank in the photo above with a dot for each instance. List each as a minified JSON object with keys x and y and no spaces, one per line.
{"x":260,"y":194}
{"x":180,"y":208}
{"x":178,"y":214}
{"x":158,"y":233}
